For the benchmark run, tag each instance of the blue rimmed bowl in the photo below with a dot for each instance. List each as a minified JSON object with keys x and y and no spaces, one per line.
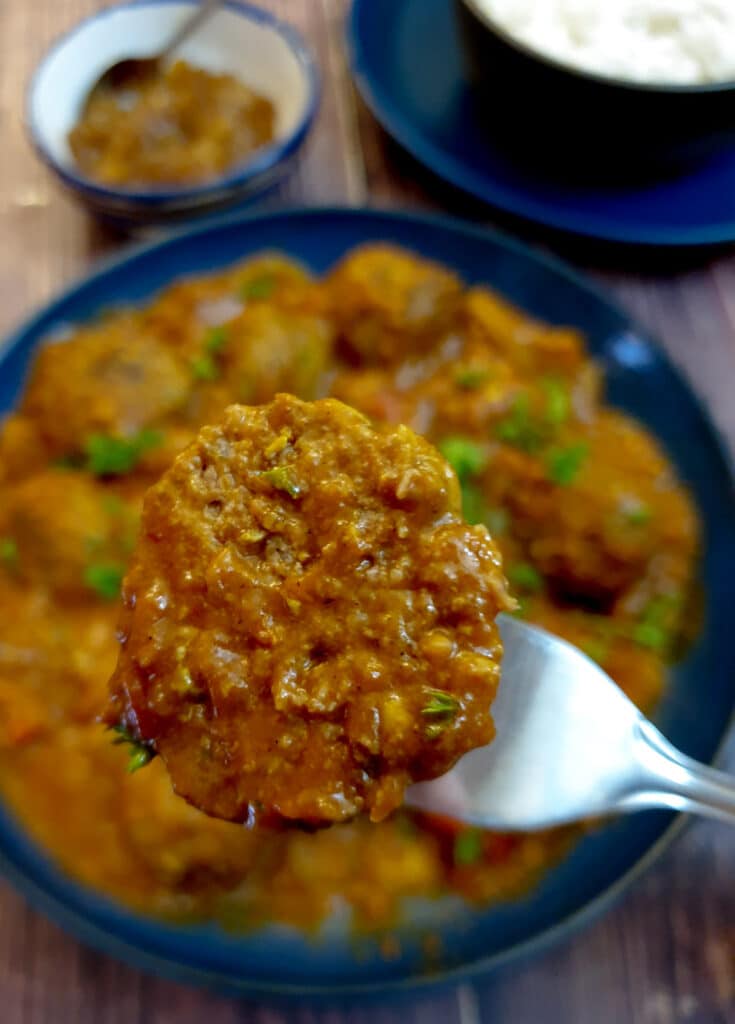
{"x":245,"y":41}
{"x":577,"y":120}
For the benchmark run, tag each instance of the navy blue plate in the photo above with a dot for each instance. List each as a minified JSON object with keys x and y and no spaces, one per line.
{"x":694,"y":715}
{"x":408,"y":67}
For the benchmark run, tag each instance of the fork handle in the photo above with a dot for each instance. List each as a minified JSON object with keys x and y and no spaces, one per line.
{"x":670,"y":779}
{"x":191,"y":24}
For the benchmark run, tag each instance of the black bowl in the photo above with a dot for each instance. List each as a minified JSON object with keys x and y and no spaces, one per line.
{"x":569,"y":118}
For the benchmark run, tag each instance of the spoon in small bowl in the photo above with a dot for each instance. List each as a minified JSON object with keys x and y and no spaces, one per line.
{"x":569,"y":746}
{"x":126,"y":73}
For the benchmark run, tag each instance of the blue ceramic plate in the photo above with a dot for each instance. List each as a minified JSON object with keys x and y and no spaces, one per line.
{"x":694,"y":715}
{"x":408,"y":66}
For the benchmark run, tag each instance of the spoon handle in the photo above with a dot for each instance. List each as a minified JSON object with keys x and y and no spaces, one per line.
{"x":670,"y":779}
{"x":191,"y":24}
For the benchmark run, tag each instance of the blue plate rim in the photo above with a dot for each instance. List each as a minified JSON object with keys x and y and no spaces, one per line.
{"x":192,"y":196}
{"x":455,"y":172}
{"x":63,"y":910}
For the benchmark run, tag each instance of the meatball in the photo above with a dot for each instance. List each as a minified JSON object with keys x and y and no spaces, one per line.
{"x":54,"y":663}
{"x":21,"y":449}
{"x":638,"y":670}
{"x":308,"y":623}
{"x":388,"y":303}
{"x":529,"y":347}
{"x":277,"y":280}
{"x":107,"y":380}
{"x":374,"y":393}
{"x":187,"y":315}
{"x":599,"y":511}
{"x":180,"y":845}
{"x":270,"y":350}
{"x":67,"y":535}
{"x":373,"y":867}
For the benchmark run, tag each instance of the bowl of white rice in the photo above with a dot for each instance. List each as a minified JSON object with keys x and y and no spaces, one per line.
{"x":634,"y":84}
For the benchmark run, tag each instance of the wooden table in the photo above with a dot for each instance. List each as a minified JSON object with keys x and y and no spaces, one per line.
{"x":667,"y":953}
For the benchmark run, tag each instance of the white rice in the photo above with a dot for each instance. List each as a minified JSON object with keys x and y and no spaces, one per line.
{"x":683,"y":42}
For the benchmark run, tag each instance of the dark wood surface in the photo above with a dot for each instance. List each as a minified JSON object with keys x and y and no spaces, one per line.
{"x":666,"y":953}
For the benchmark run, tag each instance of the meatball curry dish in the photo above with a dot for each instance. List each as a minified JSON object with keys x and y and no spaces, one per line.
{"x":335,"y":529}
{"x":309,"y":623}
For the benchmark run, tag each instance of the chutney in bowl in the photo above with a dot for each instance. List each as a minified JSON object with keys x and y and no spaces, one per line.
{"x":152,"y":158}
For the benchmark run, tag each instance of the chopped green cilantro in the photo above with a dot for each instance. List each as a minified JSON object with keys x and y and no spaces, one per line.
{"x":662,"y":606}
{"x":475,"y":510}
{"x":282,"y":479}
{"x":526,"y":577}
{"x":467,"y":847}
{"x":473,"y":504}
{"x":597,"y":649}
{"x":140,"y":758}
{"x":216,"y":338}
{"x":258,"y":287}
{"x":440,"y":708}
{"x":557,"y":401}
{"x":122,"y":735}
{"x":67,"y":462}
{"x":654,"y":628}
{"x":440,"y":704}
{"x":465,"y":456}
{"x":205,"y":368}
{"x":638,"y":514}
{"x":651,"y":635}
{"x":470,"y":378}
{"x":496,"y":520}
{"x":563,"y":464}
{"x":107,"y":455}
{"x":8,"y":552}
{"x":105,"y":580}
{"x":141,"y":753}
{"x":519,"y":427}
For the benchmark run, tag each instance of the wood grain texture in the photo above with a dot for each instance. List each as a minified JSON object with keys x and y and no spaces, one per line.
{"x":666,"y":954}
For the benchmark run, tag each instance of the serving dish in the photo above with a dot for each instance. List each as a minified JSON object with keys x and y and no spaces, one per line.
{"x":583,"y":120}
{"x":409,"y":67}
{"x":641,"y":381}
{"x":240,"y":39}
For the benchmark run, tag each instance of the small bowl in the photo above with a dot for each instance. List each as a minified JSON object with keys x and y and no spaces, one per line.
{"x":241,"y":40}
{"x":569,"y":118}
